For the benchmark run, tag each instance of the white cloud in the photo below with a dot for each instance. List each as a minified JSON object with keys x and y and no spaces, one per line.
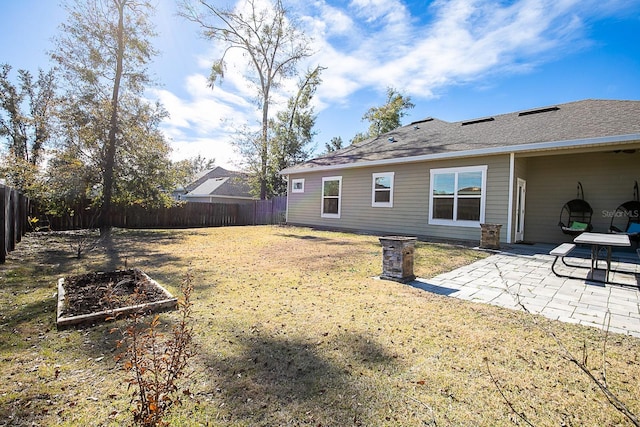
{"x":372,"y":10}
{"x":332,"y":21}
{"x":206,"y":110}
{"x":465,"y":40}
{"x":374,"y":44}
{"x":220,"y":149}
{"x":205,"y":122}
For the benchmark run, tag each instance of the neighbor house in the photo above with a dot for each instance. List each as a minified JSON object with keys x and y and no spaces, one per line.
{"x":217,"y":185}
{"x":438,"y":179}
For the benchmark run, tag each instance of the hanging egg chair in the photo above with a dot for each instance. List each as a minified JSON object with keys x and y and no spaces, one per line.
{"x":575,"y":216}
{"x":626,"y":217}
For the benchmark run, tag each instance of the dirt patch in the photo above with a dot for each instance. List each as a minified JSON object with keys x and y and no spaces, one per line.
{"x":94,"y":292}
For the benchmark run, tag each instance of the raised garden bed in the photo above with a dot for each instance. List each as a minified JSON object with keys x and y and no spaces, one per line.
{"x":96,"y":297}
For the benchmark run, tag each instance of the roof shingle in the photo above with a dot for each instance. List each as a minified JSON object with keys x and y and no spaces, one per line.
{"x":564,"y":122}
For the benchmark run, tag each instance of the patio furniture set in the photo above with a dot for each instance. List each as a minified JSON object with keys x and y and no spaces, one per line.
{"x":575,"y":220}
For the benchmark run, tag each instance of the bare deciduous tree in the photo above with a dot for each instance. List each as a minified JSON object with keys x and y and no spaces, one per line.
{"x":272,"y":44}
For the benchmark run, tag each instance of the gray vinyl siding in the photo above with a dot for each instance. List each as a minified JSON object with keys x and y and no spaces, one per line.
{"x":607,"y":179}
{"x":410,"y":212}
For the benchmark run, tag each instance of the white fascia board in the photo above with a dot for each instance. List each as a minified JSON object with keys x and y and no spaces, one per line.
{"x":519,"y":148}
{"x":197,"y":196}
{"x":232,"y":197}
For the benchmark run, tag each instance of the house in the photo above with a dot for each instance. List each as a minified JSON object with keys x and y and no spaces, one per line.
{"x":218,"y":185}
{"x":437,"y":179}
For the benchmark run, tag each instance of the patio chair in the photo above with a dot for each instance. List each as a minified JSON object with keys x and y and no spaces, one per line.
{"x":626,"y":217}
{"x":575,"y":216}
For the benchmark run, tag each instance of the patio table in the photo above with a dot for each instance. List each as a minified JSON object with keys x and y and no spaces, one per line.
{"x":600,"y":241}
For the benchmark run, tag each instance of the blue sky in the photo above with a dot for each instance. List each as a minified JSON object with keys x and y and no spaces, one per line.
{"x":457,"y":59}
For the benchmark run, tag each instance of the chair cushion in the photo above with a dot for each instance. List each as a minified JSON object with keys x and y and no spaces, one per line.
{"x":634,"y":227}
{"x":576,"y":225}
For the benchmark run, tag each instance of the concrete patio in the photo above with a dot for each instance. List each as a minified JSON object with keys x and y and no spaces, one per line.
{"x":520,"y":275}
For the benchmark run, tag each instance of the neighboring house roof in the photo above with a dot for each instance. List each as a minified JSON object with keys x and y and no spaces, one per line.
{"x":219,"y":182}
{"x":575,"y":124}
{"x":202,"y":176}
{"x":209,"y":186}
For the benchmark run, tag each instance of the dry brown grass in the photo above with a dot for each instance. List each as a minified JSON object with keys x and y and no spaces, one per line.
{"x":293,"y":329}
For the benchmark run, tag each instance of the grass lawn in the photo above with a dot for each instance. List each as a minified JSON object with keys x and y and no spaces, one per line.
{"x":293,"y":329}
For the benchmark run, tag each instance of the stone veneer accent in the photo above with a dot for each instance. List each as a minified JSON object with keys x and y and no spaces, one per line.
{"x":490,"y":236}
{"x":397,"y":258}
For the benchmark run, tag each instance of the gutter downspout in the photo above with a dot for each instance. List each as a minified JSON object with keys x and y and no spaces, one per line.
{"x":512,"y":162}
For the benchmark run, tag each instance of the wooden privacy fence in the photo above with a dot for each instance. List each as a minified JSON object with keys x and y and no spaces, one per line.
{"x":187,"y":215}
{"x":13,"y":219}
{"x":183,"y":216}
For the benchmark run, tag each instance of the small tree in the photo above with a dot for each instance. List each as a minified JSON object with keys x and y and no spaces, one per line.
{"x":197,"y":164}
{"x":359,"y":137}
{"x":334,"y":145}
{"x":69,"y":181}
{"x":27,"y":116}
{"x":292,"y":132}
{"x":187,"y":169}
{"x":385,"y":118}
{"x":21,"y":174}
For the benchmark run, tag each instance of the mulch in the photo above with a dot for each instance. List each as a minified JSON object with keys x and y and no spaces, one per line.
{"x":102,"y":291}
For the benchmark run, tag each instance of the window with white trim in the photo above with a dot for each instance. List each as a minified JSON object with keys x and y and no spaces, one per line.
{"x":331,"y":194}
{"x":382,"y":190}
{"x":297,"y":185}
{"x":457,"y":196}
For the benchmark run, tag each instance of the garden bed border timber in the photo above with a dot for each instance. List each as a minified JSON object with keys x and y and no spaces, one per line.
{"x":170,"y":303}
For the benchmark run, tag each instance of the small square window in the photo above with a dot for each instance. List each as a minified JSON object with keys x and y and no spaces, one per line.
{"x":297,"y":185}
{"x":382,"y":190}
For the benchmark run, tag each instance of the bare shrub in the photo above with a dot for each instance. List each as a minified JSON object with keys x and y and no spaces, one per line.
{"x":155,"y":361}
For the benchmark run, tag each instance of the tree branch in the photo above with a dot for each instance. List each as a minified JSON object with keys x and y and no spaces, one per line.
{"x":611,"y":397}
{"x":513,"y":409}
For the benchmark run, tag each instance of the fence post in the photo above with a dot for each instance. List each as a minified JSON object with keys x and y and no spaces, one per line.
{"x":13,"y":220}
{"x":4,"y":224}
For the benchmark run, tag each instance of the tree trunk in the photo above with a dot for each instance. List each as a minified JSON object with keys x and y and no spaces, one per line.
{"x":264,"y":147}
{"x":110,"y":151}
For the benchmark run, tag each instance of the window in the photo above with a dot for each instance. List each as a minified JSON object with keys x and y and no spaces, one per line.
{"x":297,"y":185}
{"x":382,"y":190}
{"x":457,"y":196}
{"x":331,"y":190}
